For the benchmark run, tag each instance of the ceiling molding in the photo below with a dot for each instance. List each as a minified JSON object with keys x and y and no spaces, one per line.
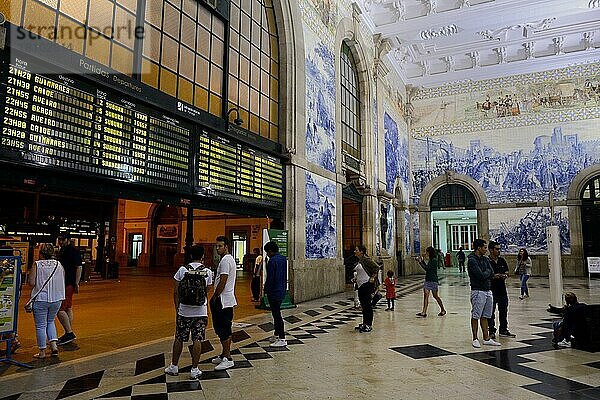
{"x":441,"y":41}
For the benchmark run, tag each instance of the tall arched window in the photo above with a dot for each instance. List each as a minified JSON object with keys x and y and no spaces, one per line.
{"x":350,"y":94}
{"x":254,"y":66}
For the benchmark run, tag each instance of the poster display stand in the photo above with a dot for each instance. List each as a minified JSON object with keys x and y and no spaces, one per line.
{"x":593,"y":264}
{"x":281,"y":238}
{"x":10,"y":284}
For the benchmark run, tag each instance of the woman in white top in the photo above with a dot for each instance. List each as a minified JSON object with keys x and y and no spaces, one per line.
{"x":47,"y":277}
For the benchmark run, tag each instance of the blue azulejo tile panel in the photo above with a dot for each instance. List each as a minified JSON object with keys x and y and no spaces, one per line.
{"x":516,"y":228}
{"x":320,"y":217}
{"x":320,"y":102}
{"x":519,"y":164}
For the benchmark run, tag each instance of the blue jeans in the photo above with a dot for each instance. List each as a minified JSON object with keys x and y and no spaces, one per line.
{"x":275,"y":305}
{"x":524,"y":288}
{"x":44,"y":314}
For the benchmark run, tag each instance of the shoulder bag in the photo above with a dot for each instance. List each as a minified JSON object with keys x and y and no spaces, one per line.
{"x":29,"y":305}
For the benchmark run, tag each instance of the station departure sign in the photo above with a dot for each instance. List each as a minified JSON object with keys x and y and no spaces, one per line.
{"x":62,"y":121}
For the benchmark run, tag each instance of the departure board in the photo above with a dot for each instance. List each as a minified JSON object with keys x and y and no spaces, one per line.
{"x":62,"y":121}
{"x":235,"y":171}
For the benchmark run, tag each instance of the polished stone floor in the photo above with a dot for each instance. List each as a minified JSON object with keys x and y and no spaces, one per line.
{"x":405,"y":357}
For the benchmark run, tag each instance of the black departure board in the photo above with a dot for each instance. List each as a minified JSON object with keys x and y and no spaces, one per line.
{"x":62,"y":121}
{"x":233,"y":170}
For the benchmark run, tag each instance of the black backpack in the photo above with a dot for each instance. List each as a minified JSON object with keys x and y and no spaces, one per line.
{"x":192,"y":288}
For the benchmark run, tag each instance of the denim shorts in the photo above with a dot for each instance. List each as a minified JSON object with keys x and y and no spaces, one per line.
{"x":483,"y":304}
{"x":432,"y":286}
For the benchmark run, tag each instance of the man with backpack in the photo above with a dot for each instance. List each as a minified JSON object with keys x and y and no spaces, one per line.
{"x":191,"y":306}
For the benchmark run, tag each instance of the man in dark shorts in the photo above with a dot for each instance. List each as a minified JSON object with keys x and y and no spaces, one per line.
{"x":222,"y":303}
{"x":190,"y":318}
{"x":70,"y":259}
{"x":499,"y":292}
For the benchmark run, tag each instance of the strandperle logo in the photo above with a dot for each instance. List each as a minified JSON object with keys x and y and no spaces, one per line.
{"x":2,"y":19}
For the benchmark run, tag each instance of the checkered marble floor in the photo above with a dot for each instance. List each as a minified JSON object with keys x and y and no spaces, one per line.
{"x":404,"y":357}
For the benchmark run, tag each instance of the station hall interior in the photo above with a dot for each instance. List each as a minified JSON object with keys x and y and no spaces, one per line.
{"x":140,"y":128}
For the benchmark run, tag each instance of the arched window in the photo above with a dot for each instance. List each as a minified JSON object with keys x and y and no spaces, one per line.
{"x":254,"y":66}
{"x":452,"y":196}
{"x":591,"y":191}
{"x":350,"y":95}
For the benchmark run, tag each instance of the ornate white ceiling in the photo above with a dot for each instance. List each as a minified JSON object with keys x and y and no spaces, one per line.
{"x":440,"y":41}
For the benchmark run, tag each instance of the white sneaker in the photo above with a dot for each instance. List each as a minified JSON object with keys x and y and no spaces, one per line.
{"x":217,"y":360}
{"x":491,"y":342}
{"x":476,"y":343}
{"x":172,"y":370}
{"x":279,"y":343}
{"x":225,"y":364}
{"x":195,"y":373}
{"x":564,"y":343}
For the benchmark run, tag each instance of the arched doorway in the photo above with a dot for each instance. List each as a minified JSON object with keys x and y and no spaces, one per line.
{"x":166,"y":222}
{"x":351,"y":226}
{"x":590,"y":217}
{"x":453,"y":218}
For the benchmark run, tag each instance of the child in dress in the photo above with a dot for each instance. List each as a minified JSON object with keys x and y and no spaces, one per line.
{"x":390,"y":290}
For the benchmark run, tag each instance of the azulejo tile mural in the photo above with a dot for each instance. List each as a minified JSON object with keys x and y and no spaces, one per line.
{"x":522,"y":168}
{"x":407,"y":230}
{"x":516,"y":228}
{"x":375,"y":136}
{"x":578,"y":73}
{"x":416,"y":233}
{"x":555,"y":96}
{"x":320,"y":217}
{"x":387,"y":228}
{"x":396,"y":155}
{"x":391,"y":245}
{"x":320,"y":102}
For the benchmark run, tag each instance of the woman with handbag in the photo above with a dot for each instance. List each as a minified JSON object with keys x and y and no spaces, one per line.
{"x":524,"y":268}
{"x":366,"y":276}
{"x":47,"y":277}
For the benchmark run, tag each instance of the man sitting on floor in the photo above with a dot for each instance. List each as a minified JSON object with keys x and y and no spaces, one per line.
{"x":572,"y":320}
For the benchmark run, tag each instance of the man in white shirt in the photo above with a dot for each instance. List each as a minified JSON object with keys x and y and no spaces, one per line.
{"x":222,"y":303}
{"x":190,"y":318}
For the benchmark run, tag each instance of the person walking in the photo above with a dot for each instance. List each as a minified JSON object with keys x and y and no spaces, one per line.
{"x":431,"y":281}
{"x":390,"y":290}
{"x":480,"y":274}
{"x":460,"y":256}
{"x":366,"y":274}
{"x":275,"y":288}
{"x":256,"y":270}
{"x":222,"y":303}
{"x":47,"y":276}
{"x":70,"y":258}
{"x":499,"y":292}
{"x":191,"y":318}
{"x":524,"y":268}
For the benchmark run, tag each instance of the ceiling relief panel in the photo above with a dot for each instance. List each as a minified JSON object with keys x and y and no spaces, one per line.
{"x":440,"y":41}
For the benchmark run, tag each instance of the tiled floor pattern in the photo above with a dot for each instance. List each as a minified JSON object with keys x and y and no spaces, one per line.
{"x":535,"y":369}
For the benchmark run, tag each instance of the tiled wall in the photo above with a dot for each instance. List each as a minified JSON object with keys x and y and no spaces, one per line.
{"x":320,"y":217}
